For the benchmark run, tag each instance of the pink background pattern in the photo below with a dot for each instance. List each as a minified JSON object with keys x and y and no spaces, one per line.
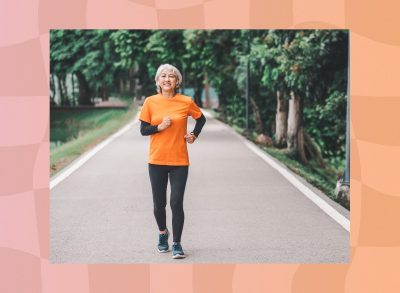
{"x":24,"y":145}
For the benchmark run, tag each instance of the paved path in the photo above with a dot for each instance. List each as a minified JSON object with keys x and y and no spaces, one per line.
{"x":238,"y":209}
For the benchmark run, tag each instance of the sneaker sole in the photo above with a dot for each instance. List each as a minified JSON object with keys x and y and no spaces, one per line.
{"x":178,"y":256}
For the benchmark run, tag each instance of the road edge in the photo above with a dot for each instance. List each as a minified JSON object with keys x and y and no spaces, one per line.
{"x":330,"y":207}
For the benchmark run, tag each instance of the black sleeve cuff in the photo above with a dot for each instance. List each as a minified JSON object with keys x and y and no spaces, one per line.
{"x":199,"y":125}
{"x":147,"y":129}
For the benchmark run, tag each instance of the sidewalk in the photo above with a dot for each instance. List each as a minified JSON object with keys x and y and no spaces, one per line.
{"x":238,"y":209}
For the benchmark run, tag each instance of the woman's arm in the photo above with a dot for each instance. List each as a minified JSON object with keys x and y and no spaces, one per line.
{"x":199,"y":125}
{"x":147,"y":129}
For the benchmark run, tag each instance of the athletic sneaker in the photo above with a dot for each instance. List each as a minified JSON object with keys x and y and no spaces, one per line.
{"x":163,"y":242}
{"x":177,"y":251}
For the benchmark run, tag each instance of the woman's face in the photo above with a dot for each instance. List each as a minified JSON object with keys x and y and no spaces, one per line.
{"x":167,"y":81}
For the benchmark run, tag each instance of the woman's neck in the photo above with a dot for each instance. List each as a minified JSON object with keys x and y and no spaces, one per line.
{"x":168,"y":94}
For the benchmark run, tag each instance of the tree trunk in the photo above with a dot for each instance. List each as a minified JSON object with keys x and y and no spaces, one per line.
{"x":59,"y":90}
{"x":132,"y":82}
{"x":295,"y":137}
{"x":281,"y":119}
{"x":64,"y":100}
{"x":293,"y":122}
{"x":53,"y":86}
{"x":207,"y":103}
{"x":65,"y":90}
{"x":313,"y":149}
{"x":73,"y":90}
{"x":197,"y":95}
{"x":146,"y":84}
{"x":127,"y":84}
{"x":300,"y":144}
{"x":121,"y":86}
{"x":84,"y":90}
{"x":104,"y":93}
{"x":259,"y":123}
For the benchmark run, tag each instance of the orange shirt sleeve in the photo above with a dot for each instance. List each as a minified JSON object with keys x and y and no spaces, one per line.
{"x":145,"y":114}
{"x":194,"y":110}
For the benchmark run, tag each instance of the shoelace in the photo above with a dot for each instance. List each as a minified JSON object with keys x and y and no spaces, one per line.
{"x":163,"y":238}
{"x":177,"y":247}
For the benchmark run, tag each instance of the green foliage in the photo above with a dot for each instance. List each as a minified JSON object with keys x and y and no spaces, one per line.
{"x":235,"y":110}
{"x":327,"y":125}
{"x":97,"y":64}
{"x":313,"y":63}
{"x":92,"y":127}
{"x":69,"y":124}
{"x":164,"y":46}
{"x":124,"y":47}
{"x":89,"y":52}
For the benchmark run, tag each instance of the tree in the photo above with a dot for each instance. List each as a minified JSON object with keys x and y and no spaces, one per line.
{"x":297,"y":79}
{"x":310,"y":63}
{"x":66,"y":48}
{"x":89,"y":55}
{"x":163,"y":46}
{"x":131,"y":59}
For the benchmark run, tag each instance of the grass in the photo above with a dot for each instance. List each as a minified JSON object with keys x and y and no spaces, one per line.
{"x":323,"y":179}
{"x":95,"y":126}
{"x":89,"y":127}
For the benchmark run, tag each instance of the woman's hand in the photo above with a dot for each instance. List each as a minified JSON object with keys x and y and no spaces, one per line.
{"x":164,"y":124}
{"x":190,"y":137}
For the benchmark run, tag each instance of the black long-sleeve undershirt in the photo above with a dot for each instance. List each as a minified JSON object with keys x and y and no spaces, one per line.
{"x":199,"y":125}
{"x":147,"y":129}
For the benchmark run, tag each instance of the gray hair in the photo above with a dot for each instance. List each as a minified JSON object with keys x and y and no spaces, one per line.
{"x":168,"y":67}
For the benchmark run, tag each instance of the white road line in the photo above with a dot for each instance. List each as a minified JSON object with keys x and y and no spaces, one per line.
{"x":335,"y":215}
{"x":86,"y":156}
{"x":323,"y":205}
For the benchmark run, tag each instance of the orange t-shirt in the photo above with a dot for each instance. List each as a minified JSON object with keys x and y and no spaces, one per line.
{"x":168,"y":147}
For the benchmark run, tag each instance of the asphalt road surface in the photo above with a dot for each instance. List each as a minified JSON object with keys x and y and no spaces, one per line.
{"x":238,"y":209}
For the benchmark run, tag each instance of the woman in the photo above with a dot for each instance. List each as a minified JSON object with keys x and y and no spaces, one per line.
{"x":164,"y":117}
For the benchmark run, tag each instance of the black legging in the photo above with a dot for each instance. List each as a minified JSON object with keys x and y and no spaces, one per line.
{"x":159,"y":181}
